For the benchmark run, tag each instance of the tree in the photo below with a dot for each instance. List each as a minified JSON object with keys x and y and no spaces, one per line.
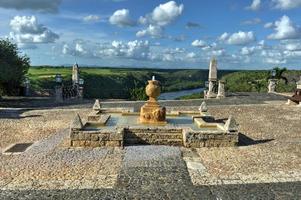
{"x":279,"y":74}
{"x":13,"y":67}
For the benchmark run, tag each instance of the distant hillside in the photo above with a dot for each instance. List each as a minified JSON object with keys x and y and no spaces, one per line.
{"x":257,"y":80}
{"x":125,"y":83}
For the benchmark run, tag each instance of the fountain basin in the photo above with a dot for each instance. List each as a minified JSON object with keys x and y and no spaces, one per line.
{"x":182,"y":129}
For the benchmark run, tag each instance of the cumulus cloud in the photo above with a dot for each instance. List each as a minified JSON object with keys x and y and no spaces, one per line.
{"x":161,"y":16}
{"x":217,"y":53}
{"x":137,"y":49}
{"x":285,"y":29}
{"x":247,"y":51}
{"x":256,"y":4}
{"x":275,"y":61}
{"x":38,"y":5}
{"x":91,"y":18}
{"x":166,"y":13}
{"x":239,"y":38}
{"x":199,"y":43}
{"x":191,"y":55}
{"x":152,"y":30}
{"x":286,"y":4}
{"x":121,"y":18}
{"x":26,"y":29}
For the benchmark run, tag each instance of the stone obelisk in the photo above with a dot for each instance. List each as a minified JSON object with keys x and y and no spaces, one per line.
{"x":212,"y":78}
{"x":75,"y":74}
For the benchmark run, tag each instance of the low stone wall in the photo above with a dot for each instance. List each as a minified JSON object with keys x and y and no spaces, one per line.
{"x":155,"y":136}
{"x":99,"y":138}
{"x":193,"y":139}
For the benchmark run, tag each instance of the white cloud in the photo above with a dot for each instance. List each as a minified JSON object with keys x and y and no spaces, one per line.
{"x":164,"y":14}
{"x":133,"y":50}
{"x":152,"y":30}
{"x":91,"y":18}
{"x":220,"y":52}
{"x":191,"y":55}
{"x":256,"y":4}
{"x":269,"y":25}
{"x":253,"y":21}
{"x":247,"y":51}
{"x":121,"y":18}
{"x":26,"y":29}
{"x":285,"y":29}
{"x":38,"y":5}
{"x":239,"y":38}
{"x":275,"y":61}
{"x":286,"y":4}
{"x":199,"y":43}
{"x":293,"y":46}
{"x":161,"y":16}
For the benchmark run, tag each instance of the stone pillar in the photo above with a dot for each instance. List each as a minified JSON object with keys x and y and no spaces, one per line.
{"x":59,"y":93}
{"x":75,"y":74}
{"x":213,"y":70}
{"x":212,"y":78}
{"x":211,"y":93}
{"x":272,"y":86}
{"x":80,"y":92}
{"x":221,"y":90}
{"x":27,"y":88}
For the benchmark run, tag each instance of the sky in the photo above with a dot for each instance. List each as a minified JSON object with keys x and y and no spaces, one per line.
{"x":240,"y":34}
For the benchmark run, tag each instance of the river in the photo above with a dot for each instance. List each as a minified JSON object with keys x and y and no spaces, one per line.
{"x":174,"y":95}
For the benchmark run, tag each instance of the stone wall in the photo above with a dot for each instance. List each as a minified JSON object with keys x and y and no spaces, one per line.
{"x":99,"y":138}
{"x":193,"y":139}
{"x":154,"y":136}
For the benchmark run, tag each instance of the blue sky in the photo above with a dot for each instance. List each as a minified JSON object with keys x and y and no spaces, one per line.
{"x":245,"y":34}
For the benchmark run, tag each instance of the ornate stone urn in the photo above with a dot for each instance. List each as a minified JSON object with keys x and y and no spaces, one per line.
{"x":151,"y":112}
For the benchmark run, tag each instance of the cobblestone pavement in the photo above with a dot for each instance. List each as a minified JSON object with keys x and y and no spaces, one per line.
{"x":46,"y":165}
{"x":159,"y":172}
{"x":266,"y":165}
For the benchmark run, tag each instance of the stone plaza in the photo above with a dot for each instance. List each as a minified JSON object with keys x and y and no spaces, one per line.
{"x":264,"y":165}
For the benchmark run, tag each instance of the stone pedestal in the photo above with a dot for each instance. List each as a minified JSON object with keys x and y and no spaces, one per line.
{"x":80,"y":92}
{"x":211,"y":93}
{"x":151,"y":112}
{"x":272,"y":86}
{"x":221,"y":90}
{"x":58,"y":93}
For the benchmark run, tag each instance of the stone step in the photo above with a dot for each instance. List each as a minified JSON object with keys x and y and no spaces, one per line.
{"x":147,"y":141}
{"x":154,"y":135}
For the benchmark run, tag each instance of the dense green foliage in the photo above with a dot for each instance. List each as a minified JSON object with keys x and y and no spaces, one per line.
{"x":13,"y":67}
{"x":257,"y":81}
{"x":118,"y":83}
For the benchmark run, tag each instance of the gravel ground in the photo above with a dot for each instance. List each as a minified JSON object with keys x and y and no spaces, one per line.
{"x":266,"y":165}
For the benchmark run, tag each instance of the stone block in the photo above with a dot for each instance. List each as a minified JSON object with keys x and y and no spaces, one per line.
{"x":94,"y":137}
{"x":87,"y":136}
{"x":81,"y":136}
{"x":94,"y":144}
{"x":74,"y":136}
{"x":75,"y":143}
{"x":112,"y":143}
{"x":87,"y":143}
{"x":82,"y":143}
{"x":116,"y":136}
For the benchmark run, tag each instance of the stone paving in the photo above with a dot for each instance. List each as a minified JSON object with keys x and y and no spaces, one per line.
{"x":266,"y":165}
{"x":46,"y":165}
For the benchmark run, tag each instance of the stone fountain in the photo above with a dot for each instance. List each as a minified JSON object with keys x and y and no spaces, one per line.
{"x":151,"y":112}
{"x":153,"y":125}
